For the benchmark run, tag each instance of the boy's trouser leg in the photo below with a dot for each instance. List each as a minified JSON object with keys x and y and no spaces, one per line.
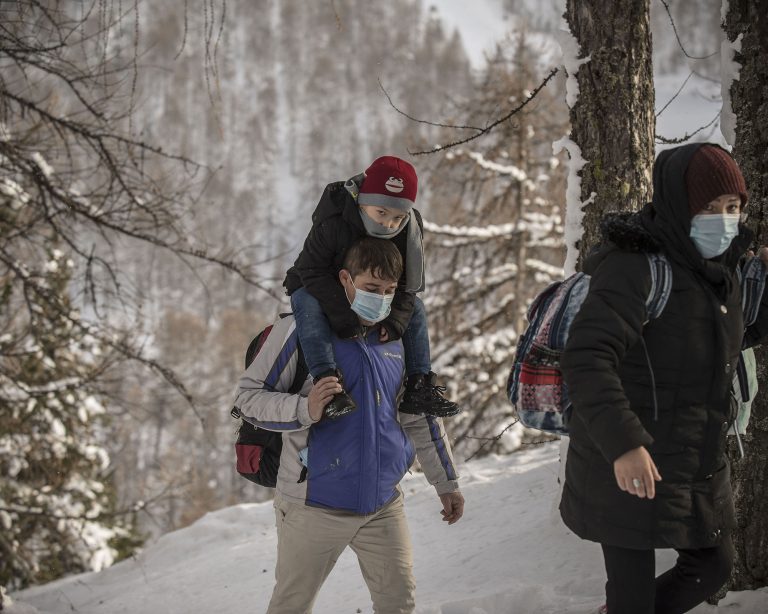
{"x":314,"y":330}
{"x":309,"y":541}
{"x":416,"y":341}
{"x":383,"y":548}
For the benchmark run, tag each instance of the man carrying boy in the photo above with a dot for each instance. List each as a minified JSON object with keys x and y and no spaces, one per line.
{"x":378,"y":203}
{"x":338,"y":479}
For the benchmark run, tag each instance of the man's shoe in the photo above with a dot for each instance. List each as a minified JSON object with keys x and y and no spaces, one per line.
{"x":423,"y":397}
{"x":341,"y":404}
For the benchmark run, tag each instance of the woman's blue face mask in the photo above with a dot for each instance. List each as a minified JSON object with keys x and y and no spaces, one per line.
{"x":712,"y":233}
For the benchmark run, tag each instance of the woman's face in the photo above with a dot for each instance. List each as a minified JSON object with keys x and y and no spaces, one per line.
{"x":726,"y":203}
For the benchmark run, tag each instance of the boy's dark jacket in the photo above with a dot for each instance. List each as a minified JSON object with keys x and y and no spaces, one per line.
{"x":693,"y":349}
{"x":336,"y":225}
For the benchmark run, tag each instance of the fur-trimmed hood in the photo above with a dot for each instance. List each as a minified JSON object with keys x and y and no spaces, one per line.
{"x":626,"y":231}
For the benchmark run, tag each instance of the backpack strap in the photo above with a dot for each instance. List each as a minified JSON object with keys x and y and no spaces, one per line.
{"x":299,"y":377}
{"x":742,"y":377}
{"x":752,"y":277}
{"x":661,"y":288}
{"x":302,"y":372}
{"x":661,"y":284}
{"x":255,"y":346}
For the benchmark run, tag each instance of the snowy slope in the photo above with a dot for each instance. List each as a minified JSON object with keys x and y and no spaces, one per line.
{"x":508,"y":554}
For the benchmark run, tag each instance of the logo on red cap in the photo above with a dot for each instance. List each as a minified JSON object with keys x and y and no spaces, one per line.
{"x":389,"y":182}
{"x":394,"y":184}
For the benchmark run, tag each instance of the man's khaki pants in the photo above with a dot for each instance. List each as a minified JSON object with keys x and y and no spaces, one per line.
{"x":310,"y":540}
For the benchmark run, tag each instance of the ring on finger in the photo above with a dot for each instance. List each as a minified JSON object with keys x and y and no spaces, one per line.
{"x":636,"y":482}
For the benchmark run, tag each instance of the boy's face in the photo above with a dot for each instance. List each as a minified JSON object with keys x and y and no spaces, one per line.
{"x":367,"y":282}
{"x":386,"y":216}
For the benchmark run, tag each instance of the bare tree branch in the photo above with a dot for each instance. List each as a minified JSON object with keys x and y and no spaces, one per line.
{"x":686,"y":136}
{"x":677,"y":36}
{"x":492,"y":125}
{"x":677,"y":93}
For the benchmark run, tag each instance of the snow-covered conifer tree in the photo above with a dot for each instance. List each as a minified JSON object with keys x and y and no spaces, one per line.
{"x":56,"y":498}
{"x":76,"y":185}
{"x":494,"y":239}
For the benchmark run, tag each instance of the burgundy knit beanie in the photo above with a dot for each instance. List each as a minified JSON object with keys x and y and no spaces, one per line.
{"x":389,"y":182}
{"x":712,"y":172}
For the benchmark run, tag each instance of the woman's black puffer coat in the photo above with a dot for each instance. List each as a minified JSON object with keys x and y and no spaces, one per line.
{"x":693,"y":349}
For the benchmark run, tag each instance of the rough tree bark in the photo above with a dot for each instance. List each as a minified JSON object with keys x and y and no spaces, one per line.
{"x":749,"y":19}
{"x":613,"y":121}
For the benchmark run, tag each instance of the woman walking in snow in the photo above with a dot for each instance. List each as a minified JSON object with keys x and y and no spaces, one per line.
{"x":652,"y":399}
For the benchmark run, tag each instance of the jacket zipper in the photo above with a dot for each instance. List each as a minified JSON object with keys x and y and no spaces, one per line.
{"x":653,"y":380}
{"x":364,"y":345}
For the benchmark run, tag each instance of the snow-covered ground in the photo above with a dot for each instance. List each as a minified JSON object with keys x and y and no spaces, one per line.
{"x":509,"y":554}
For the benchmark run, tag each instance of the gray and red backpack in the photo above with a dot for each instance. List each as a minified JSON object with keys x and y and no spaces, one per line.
{"x":258,"y":450}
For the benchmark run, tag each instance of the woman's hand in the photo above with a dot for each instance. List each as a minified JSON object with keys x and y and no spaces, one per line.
{"x":636,"y":473}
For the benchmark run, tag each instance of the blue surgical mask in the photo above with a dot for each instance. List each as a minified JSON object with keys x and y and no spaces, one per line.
{"x":712,"y":234}
{"x":371,"y":306}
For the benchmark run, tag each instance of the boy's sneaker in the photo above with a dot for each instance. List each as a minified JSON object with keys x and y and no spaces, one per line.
{"x":341,"y":404}
{"x":423,"y":396}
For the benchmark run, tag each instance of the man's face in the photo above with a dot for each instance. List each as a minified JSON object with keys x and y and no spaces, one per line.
{"x":367,"y":282}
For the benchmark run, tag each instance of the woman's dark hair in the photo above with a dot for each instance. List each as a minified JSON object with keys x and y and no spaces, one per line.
{"x":379,"y":256}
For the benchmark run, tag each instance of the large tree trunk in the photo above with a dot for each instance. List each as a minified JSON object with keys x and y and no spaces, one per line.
{"x":613,"y":120}
{"x":749,"y":94}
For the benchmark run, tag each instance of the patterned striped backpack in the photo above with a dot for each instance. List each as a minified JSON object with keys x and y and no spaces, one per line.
{"x":535,"y":386}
